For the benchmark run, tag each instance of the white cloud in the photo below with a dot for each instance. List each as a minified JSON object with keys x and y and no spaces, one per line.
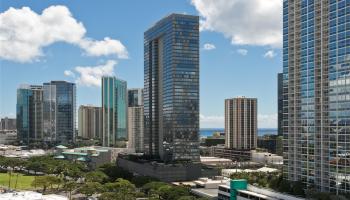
{"x":211,"y":121}
{"x":267,"y":120}
{"x":105,"y":47}
{"x":91,"y":75}
{"x":68,"y":73}
{"x":270,"y":54}
{"x":245,"y":22}
{"x":24,"y":33}
{"x":209,"y":46}
{"x":264,"y":121}
{"x":242,"y":52}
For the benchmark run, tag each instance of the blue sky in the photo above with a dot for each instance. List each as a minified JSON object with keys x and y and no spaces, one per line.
{"x":240,"y":50}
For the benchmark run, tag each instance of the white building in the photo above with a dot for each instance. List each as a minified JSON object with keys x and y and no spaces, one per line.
{"x":252,"y":192}
{"x":229,"y":172}
{"x":266,"y":158}
{"x":208,"y":188}
{"x":29,"y":195}
{"x":216,"y":161}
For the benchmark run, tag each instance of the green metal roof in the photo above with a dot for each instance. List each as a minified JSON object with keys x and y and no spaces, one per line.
{"x":61,"y":147}
{"x":75,"y":153}
{"x":81,"y":159}
{"x":86,"y":148}
{"x":102,"y":150}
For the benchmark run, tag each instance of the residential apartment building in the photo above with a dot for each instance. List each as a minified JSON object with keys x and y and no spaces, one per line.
{"x":90,"y":122}
{"x":316,"y":80}
{"x":241,"y":123}
{"x":135,"y":119}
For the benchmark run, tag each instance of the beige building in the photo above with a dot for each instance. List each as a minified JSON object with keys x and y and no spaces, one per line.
{"x":241,"y":123}
{"x":135,"y":128}
{"x":90,"y":122}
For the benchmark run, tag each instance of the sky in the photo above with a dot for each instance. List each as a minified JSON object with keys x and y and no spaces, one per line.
{"x":80,"y":41}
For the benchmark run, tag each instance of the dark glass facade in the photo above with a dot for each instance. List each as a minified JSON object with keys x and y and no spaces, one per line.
{"x":59,"y":112}
{"x":171,"y":88}
{"x":30,"y":114}
{"x":135,"y":97}
{"x":22,"y":110}
{"x":114,"y":110}
{"x":316,"y":88}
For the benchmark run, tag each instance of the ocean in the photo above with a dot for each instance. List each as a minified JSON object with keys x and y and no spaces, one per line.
{"x":204,"y":132}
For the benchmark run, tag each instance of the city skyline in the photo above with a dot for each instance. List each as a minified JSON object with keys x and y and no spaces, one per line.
{"x":222,"y":63}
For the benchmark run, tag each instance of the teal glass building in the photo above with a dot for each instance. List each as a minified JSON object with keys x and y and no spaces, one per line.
{"x":29,"y":112}
{"x":316,"y":89}
{"x":22,"y":113}
{"x":114,"y":110}
{"x":171,"y":89}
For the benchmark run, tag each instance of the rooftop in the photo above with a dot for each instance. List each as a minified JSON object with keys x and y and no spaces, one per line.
{"x":227,"y":172}
{"x":204,"y":192}
{"x":30,"y":195}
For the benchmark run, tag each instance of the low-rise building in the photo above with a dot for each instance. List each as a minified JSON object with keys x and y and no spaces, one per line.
{"x":20,"y":151}
{"x":208,"y":187}
{"x":94,"y":156}
{"x":216,"y":139}
{"x":229,"y":172}
{"x":268,"y":142}
{"x":30,"y":195}
{"x":241,"y":190}
{"x":216,"y":161}
{"x":266,"y":158}
{"x":8,"y":123}
{"x":229,"y":153}
{"x":8,"y":136}
{"x":167,"y":172}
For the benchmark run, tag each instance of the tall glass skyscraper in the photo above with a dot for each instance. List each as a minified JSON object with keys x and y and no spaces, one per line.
{"x":171,"y":88}
{"x":29,"y":113}
{"x":135,"y":97}
{"x":59,"y":112}
{"x":114,"y":110}
{"x":23,"y":103}
{"x":316,"y":87}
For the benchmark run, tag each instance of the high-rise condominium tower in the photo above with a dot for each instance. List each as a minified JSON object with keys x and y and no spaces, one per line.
{"x":241,"y":123}
{"x":135,"y":128}
{"x":114,"y":110}
{"x":30,"y":113}
{"x":59,"y":112}
{"x":280,"y":104}
{"x":90,"y":122}
{"x":135,"y":119}
{"x":316,"y":84}
{"x":171,"y":88}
